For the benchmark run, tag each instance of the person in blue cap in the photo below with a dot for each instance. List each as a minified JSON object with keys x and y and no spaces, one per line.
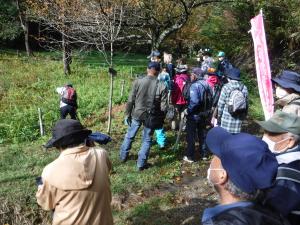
{"x":282,"y":135}
{"x":241,"y":167}
{"x":287,"y":90}
{"x":147,"y":93}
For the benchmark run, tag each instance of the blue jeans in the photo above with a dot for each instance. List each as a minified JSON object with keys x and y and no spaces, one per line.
{"x":160,"y":137}
{"x":129,"y":138}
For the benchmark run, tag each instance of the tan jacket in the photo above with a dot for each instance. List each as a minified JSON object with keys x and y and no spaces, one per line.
{"x":76,"y":185}
{"x":290,"y":104}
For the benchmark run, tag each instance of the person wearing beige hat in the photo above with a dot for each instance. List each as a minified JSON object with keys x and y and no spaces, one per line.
{"x":282,"y":134}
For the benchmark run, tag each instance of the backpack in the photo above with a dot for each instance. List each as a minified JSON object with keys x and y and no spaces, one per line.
{"x":207,"y":102}
{"x":186,"y":90}
{"x":237,"y":104}
{"x":69,"y":96}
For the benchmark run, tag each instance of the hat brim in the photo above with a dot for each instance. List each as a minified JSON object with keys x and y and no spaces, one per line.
{"x":271,"y":127}
{"x":53,"y":141}
{"x":215,"y":138}
{"x":233,"y":77}
{"x":286,"y":84}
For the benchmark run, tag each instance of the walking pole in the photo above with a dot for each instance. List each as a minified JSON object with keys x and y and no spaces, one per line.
{"x":181,"y":125}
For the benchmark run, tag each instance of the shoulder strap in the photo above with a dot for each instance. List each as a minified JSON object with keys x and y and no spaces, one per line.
{"x":294,"y":102}
{"x":286,"y":173}
{"x":154,"y":94}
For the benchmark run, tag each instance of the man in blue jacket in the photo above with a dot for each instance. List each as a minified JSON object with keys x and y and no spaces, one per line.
{"x":197,"y":112}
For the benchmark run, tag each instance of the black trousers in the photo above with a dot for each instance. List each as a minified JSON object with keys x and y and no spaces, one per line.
{"x":195,"y":129}
{"x":71,"y":110}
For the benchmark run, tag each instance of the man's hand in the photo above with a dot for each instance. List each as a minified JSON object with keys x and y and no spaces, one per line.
{"x":185,"y":112}
{"x":128,"y":120}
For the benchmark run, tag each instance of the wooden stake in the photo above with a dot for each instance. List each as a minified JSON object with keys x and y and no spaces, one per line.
{"x":41,"y":122}
{"x":122,"y":87}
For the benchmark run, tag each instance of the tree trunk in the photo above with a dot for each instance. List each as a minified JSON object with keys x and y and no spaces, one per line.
{"x":26,"y":34}
{"x":67,"y":55}
{"x":25,"y":27}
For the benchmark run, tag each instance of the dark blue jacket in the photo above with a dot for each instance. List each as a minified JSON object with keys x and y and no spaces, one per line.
{"x":284,"y":196}
{"x":171,"y":70}
{"x":196,"y":99}
{"x":250,"y":215}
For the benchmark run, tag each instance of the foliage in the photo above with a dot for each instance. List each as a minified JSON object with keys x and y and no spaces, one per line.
{"x":9,"y":23}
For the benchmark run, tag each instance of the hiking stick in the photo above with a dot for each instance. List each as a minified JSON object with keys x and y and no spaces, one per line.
{"x":181,"y":125}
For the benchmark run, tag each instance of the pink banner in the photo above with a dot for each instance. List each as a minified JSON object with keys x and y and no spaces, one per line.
{"x":263,"y":70}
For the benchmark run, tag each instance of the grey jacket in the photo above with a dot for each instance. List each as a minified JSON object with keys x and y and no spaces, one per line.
{"x":290,"y":104}
{"x":141,"y":97}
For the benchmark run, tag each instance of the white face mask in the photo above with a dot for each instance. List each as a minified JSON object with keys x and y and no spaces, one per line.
{"x":280,"y":92}
{"x":208,"y":177}
{"x":271,"y":144}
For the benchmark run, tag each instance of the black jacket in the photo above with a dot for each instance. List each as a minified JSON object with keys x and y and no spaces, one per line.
{"x":251,"y":215}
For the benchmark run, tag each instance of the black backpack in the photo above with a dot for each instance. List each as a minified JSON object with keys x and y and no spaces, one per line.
{"x":186,"y":90}
{"x":207,"y":101}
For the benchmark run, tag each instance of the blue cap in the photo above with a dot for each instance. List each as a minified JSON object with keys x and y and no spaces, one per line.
{"x":154,"y":65}
{"x":248,"y":161}
{"x":233,"y":73}
{"x":154,"y":53}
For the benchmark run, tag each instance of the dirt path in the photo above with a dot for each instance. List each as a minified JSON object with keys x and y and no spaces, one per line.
{"x":190,"y":196}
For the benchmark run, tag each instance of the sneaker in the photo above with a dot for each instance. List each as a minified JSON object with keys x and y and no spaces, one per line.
{"x":188,"y":159}
{"x":162,"y":147}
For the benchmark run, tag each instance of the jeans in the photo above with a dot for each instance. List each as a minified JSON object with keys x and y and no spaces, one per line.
{"x":65,"y":110}
{"x":129,"y":138}
{"x":160,"y":137}
{"x":194,"y":128}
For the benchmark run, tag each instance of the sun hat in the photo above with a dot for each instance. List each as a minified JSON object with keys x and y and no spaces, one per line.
{"x":248,"y":161}
{"x":289,"y":80}
{"x":66,"y":131}
{"x":282,"y":122}
{"x":233,"y":73}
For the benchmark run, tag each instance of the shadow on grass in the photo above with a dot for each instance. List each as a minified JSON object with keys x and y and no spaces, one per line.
{"x":153,"y":214}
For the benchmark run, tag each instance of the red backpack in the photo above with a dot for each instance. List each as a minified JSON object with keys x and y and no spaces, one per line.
{"x":69,"y":96}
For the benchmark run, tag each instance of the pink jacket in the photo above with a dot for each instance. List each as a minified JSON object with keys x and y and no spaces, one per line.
{"x":179,"y":82}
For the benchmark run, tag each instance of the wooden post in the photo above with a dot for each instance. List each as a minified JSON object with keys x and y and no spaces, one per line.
{"x":41,"y":122}
{"x":131,"y":75}
{"x":122,"y":87}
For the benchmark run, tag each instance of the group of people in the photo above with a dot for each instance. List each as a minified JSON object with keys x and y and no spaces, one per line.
{"x":211,"y":93}
{"x":257,"y":179}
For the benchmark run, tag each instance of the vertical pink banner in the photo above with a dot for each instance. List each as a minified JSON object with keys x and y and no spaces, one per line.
{"x":263,"y":70}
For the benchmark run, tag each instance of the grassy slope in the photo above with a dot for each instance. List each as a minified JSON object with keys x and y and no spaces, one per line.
{"x":29,"y":84}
